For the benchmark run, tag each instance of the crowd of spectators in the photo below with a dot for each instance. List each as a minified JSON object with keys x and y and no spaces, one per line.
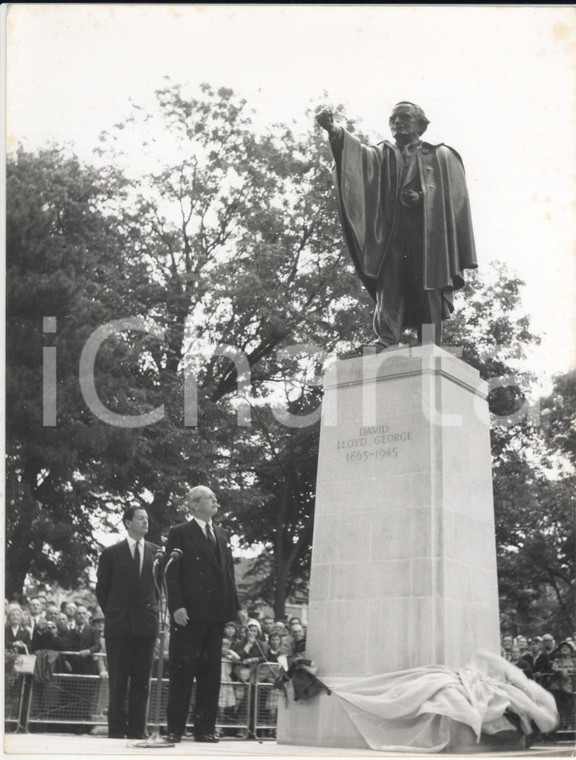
{"x":252,"y":653}
{"x":75,"y":631}
{"x":65,"y":638}
{"x":551,"y":664}
{"x":73,"y":627}
{"x":39,"y":624}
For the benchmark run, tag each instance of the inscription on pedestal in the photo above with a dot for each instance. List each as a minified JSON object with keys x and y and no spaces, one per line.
{"x":374,"y":443}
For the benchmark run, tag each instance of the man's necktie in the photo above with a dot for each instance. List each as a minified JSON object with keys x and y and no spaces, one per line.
{"x":210,"y":535}
{"x":137,"y":556}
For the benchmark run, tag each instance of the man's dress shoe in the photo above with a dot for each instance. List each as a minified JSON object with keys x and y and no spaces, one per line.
{"x":208,"y":738}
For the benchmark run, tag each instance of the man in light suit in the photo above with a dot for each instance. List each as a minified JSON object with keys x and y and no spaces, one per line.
{"x":202,"y":598}
{"x":127,"y":595}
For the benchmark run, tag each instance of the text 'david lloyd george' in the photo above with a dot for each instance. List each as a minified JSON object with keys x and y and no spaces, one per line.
{"x":374,"y":443}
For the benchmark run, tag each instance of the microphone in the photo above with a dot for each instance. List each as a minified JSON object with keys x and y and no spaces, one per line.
{"x":160,"y":554}
{"x":175,"y":554}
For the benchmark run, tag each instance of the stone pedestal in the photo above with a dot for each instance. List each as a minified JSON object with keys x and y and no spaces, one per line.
{"x":404,"y":558}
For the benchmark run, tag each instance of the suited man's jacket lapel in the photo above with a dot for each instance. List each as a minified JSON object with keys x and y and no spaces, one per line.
{"x":128,"y":560}
{"x":196,"y":534}
{"x":129,"y":600}
{"x":148,"y":559}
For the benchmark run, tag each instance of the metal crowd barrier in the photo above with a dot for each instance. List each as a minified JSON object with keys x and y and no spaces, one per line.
{"x":73,"y":699}
{"x":266,"y":700}
{"x":234,"y":702}
{"x":233,"y":707}
{"x":68,"y":698}
{"x":14,"y":702}
{"x":244,"y":709}
{"x":566,"y":704}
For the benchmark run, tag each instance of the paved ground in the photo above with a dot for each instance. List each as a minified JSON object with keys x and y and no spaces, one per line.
{"x":33,"y":745}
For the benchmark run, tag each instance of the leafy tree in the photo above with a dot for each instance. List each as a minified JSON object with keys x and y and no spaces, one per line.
{"x":559,"y":418}
{"x":226,"y":244}
{"x":533,"y":501}
{"x":73,"y":255}
{"x":244,"y":247}
{"x":536,"y":541}
{"x":277,"y":466}
{"x":63,"y":257}
{"x":537,"y":538}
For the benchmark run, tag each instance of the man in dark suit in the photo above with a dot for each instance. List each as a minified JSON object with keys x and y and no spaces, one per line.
{"x":127,"y":595}
{"x":201,"y":598}
{"x":85,"y":640}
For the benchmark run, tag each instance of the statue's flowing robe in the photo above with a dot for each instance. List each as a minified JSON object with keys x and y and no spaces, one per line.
{"x":369,"y":182}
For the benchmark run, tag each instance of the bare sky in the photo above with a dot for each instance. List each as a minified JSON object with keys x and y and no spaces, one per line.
{"x":498,"y":84}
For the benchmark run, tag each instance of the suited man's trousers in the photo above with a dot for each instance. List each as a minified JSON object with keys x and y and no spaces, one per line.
{"x":130,"y":663}
{"x":195,"y":654}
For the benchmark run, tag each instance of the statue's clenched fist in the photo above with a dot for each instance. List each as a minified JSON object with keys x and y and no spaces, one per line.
{"x":325,"y":118}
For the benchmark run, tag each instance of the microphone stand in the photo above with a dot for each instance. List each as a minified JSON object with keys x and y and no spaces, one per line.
{"x":156,"y":740}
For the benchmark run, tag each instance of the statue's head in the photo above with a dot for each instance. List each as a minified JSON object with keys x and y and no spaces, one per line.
{"x":406,"y":120}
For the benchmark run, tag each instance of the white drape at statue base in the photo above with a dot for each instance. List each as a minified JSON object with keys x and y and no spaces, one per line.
{"x":420,"y":709}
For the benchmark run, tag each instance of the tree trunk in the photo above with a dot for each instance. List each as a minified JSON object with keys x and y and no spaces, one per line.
{"x":280,"y":591}
{"x":20,"y":547}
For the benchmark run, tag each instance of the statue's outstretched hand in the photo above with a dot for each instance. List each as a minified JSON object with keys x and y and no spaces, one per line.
{"x":326,"y":120}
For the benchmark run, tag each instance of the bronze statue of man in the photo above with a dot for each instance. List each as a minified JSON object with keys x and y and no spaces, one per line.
{"x":406,"y":221}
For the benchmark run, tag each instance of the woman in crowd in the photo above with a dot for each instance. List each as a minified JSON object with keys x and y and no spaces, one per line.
{"x":280,"y":629}
{"x":563,"y":682}
{"x":268,"y":673}
{"x":252,"y":651}
{"x":522,"y":643}
{"x":227,"y":696}
{"x":295,"y":642}
{"x":516,"y":658}
{"x":274,"y":644}
{"x":231,"y":633}
{"x":16,"y":636}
